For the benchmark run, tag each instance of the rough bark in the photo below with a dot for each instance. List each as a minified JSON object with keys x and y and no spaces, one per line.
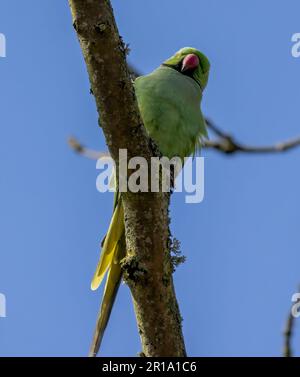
{"x":147,"y":267}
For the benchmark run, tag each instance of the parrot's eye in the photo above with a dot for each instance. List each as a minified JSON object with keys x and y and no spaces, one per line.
{"x":190,"y":62}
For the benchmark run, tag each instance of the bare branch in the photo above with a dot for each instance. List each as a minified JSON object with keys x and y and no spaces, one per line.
{"x":147,"y":266}
{"x":227,"y":143}
{"x":288,"y":334}
{"x":86,"y":152}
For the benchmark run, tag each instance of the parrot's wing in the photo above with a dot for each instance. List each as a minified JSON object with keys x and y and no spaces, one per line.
{"x":199,"y":141}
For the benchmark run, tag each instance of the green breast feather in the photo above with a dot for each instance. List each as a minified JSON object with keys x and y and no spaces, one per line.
{"x":169,"y":103}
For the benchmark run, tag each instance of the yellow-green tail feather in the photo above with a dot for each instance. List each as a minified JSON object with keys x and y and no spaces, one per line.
{"x":113,"y":251}
{"x":115,"y":231}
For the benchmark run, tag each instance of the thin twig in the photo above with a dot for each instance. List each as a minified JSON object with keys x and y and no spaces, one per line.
{"x":288,"y":334}
{"x":227,"y":143}
{"x":86,"y":152}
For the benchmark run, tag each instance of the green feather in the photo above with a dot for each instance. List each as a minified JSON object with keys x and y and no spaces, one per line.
{"x":201,"y":73}
{"x":169,"y":102}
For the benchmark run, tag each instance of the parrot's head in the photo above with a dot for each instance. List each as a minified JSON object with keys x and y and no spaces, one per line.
{"x":190,"y":62}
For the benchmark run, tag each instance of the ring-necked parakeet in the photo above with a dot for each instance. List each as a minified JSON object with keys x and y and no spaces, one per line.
{"x":169,"y":102}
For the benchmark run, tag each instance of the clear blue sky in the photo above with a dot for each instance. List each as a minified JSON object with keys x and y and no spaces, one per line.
{"x":242,"y":243}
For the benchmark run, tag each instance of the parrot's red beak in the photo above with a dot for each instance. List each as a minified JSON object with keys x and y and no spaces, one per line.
{"x":191,"y":61}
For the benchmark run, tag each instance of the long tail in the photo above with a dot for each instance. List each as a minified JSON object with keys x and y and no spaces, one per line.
{"x":113,"y":251}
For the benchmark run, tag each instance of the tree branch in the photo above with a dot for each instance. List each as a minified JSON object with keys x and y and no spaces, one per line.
{"x":147,"y":267}
{"x":288,"y":335}
{"x":228,"y":145}
{"x":225,"y":144}
{"x":86,"y":152}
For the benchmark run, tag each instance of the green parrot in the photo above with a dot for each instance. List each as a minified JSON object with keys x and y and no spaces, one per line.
{"x":169,"y":102}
